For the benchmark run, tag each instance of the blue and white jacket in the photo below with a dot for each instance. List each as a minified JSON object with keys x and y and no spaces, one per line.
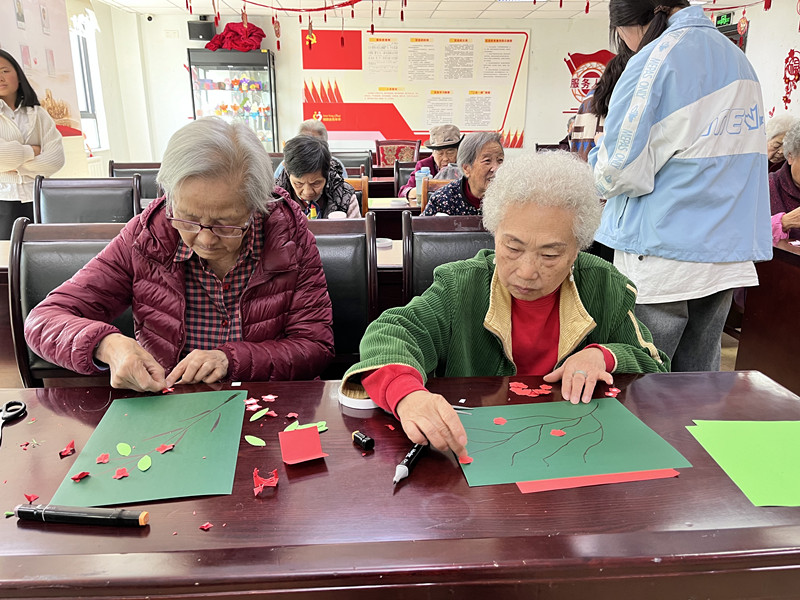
{"x":683,"y":162}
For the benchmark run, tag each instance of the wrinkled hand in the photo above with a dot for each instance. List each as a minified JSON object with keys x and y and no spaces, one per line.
{"x":132,"y":367}
{"x":207,"y":366}
{"x":791,"y":220}
{"x":580,"y":373}
{"x":412,"y":194}
{"x":427,"y":417}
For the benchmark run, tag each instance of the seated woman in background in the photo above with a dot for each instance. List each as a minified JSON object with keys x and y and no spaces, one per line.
{"x":30,"y":144}
{"x":776,"y":130}
{"x":443,"y":141}
{"x":535,"y":306}
{"x":224,"y":278}
{"x":784,"y":189}
{"x":479,"y":156}
{"x":311,"y":182}
{"x":316,"y":129}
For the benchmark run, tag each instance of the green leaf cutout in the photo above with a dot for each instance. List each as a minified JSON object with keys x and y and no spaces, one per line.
{"x":124,"y":449}
{"x":320,"y":425}
{"x":254,"y":441}
{"x":292,"y":426}
{"x":259,"y":414}
{"x":145,"y":463}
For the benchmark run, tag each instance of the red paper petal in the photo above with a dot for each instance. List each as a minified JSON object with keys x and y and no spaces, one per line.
{"x":102,"y":459}
{"x":292,"y":415}
{"x":165,"y":448}
{"x":269,"y":398}
{"x":615,"y":390}
{"x":167,"y":390}
{"x":251,"y":401}
{"x":500,"y":421}
{"x":206,"y":526}
{"x":611,"y":394}
{"x":68,"y":450}
{"x":80,"y":476}
{"x":558,"y":432}
{"x":121,"y":472}
{"x":271,"y":413}
{"x":253,"y":407}
{"x":391,"y":427}
{"x":543,"y":392}
{"x":24,"y":445}
{"x":31,"y":497}
{"x":465,"y":460}
{"x":544,"y":386}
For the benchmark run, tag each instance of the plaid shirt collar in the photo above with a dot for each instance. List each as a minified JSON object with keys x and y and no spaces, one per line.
{"x":251,"y":246}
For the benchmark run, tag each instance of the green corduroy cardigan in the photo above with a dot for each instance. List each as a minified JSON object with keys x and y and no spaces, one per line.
{"x":461,"y":325}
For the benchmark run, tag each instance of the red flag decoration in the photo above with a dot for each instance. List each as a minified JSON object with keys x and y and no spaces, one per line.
{"x":767,"y":4}
{"x":346,"y":57}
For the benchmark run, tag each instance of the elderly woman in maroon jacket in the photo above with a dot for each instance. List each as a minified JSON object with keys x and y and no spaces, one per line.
{"x":224,"y":278}
{"x":784,"y":189}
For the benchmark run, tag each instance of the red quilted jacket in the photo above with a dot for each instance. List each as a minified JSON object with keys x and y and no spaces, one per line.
{"x":285,"y":310}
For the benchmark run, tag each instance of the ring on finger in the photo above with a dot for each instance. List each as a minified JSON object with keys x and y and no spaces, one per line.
{"x":579,"y":371}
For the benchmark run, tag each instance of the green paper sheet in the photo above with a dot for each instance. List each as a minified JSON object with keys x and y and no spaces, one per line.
{"x":761,"y":457}
{"x":204,"y":427}
{"x":599,"y":438}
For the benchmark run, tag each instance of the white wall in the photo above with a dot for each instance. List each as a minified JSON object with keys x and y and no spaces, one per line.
{"x":150,"y":97}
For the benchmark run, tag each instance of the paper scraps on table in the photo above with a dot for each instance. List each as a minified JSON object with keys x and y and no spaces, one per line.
{"x":522,"y":389}
{"x":259,"y":483}
{"x":79,"y":476}
{"x":33,"y":420}
{"x":9,"y":513}
{"x":249,"y":401}
{"x":102,"y":459}
{"x":121,"y":472}
{"x":465,"y":460}
{"x":322,"y":426}
{"x":390,"y":426}
{"x":760,"y":457}
{"x":206,"y":526}
{"x":164,"y":448}
{"x":236,"y":384}
{"x":558,"y":432}
{"x":597,"y":440}
{"x":254,"y":408}
{"x":563,"y":483}
{"x":500,"y":421}
{"x":68,"y":450}
{"x":292,"y":415}
{"x":269,"y":398}
{"x":254,"y":441}
{"x":31,"y":497}
{"x":168,"y":390}
{"x":300,"y":445}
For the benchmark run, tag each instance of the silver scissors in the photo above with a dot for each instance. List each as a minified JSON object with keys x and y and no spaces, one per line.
{"x":13,"y":409}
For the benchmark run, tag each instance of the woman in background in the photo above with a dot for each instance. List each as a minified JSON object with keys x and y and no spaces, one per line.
{"x":30,"y":144}
{"x":776,"y":130}
{"x":784,"y":189}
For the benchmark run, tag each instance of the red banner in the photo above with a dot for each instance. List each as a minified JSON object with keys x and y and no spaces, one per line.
{"x":327,"y":52}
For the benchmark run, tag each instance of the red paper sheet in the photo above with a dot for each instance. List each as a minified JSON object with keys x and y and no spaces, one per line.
{"x":544,"y":485}
{"x":300,"y":445}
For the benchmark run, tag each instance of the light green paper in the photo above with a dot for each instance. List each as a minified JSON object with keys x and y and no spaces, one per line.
{"x":202,"y":462}
{"x":144,"y":463}
{"x":259,"y":414}
{"x":321,"y":426}
{"x":254,"y":441}
{"x":601,"y":437}
{"x":124,"y":449}
{"x":761,"y":457}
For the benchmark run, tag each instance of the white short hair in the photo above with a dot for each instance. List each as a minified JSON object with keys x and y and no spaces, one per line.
{"x":556,"y":178}
{"x":778,"y":125}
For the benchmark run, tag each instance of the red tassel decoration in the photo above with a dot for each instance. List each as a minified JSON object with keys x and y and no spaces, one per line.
{"x":767,"y":4}
{"x":372,"y":29}
{"x":401,"y":15}
{"x":279,"y":44}
{"x":586,"y":10}
{"x":379,"y":11}
{"x":300,"y":17}
{"x":325,"y":16}
{"x":273,"y":19}
{"x":341,"y":41}
{"x":560,"y":3}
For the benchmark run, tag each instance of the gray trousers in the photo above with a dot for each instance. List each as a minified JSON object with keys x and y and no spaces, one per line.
{"x":688,"y":331}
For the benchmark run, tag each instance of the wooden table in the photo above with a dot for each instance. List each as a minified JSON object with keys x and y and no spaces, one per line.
{"x":334,"y":528}
{"x":389,"y":219}
{"x":771,"y":320}
{"x":381,"y":187}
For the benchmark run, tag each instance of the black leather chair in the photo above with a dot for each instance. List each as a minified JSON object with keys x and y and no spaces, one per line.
{"x":354,"y":161}
{"x":432,"y":241}
{"x":42,"y":257}
{"x":150,"y":189}
{"x":350,"y":260}
{"x":95,"y":200}
{"x":402,"y":171}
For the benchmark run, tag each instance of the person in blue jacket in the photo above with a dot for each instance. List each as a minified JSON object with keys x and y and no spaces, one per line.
{"x":683,"y":166}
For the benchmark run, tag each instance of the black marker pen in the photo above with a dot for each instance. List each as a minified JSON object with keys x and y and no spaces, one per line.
{"x":409,"y":461}
{"x":50,"y":513}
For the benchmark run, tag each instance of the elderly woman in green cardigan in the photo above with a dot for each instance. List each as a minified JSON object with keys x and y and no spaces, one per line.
{"x":536,"y":305}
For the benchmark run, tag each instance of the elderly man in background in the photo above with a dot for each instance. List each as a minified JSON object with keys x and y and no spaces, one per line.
{"x":224,"y":278}
{"x":444,"y":141}
{"x":479,"y":157}
{"x":317,"y":129}
{"x":534,"y":306}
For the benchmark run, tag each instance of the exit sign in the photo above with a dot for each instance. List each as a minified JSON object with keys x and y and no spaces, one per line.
{"x":723,"y":19}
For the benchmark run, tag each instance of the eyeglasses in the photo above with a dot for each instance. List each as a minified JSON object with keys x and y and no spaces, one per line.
{"x":223,"y":231}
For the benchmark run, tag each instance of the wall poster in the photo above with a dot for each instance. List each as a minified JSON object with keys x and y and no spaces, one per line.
{"x":397,"y":84}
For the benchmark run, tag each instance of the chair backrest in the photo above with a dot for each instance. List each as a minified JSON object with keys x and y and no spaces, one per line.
{"x":402,"y":171}
{"x":388,"y":151}
{"x":361,"y":186}
{"x":42,"y":257}
{"x":432,"y":241}
{"x":540,"y":147}
{"x":354,"y":160}
{"x":349,"y":258}
{"x":428,"y":187}
{"x":95,"y":200}
{"x":150,"y":189}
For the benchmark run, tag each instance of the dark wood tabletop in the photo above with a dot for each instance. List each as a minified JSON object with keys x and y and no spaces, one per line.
{"x":336,"y":528}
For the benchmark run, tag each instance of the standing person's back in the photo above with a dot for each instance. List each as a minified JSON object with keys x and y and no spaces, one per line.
{"x":683,"y":166}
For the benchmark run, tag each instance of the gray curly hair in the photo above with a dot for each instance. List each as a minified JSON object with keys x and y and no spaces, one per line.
{"x":558,"y":179}
{"x":791,"y":143}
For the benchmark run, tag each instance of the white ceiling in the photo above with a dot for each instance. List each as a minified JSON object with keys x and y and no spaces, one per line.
{"x":390,"y":9}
